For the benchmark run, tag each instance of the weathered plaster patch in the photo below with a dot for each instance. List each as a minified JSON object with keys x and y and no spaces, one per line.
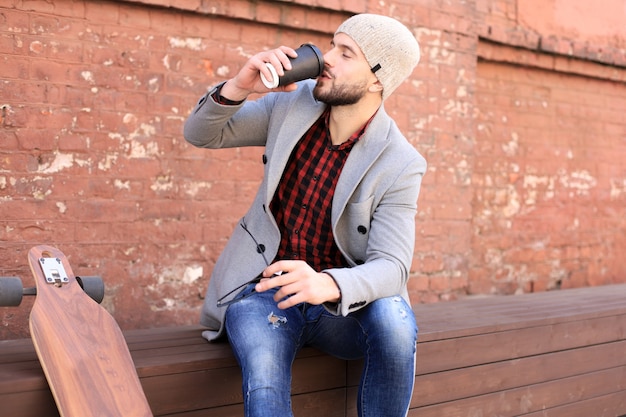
{"x":36,"y":47}
{"x":618,"y":188}
{"x":139,"y":150}
{"x":162,"y":183}
{"x":61,"y":161}
{"x":580,"y":182}
{"x":461,"y":173}
{"x":195,"y":44}
{"x":193,"y":188}
{"x":87,"y":76}
{"x":510,"y":148}
{"x":131,"y":144}
{"x":192,"y":274}
{"x":242,"y":52}
{"x":153,"y":85}
{"x":532,"y":184}
{"x":442,"y":56}
{"x":557,"y":274}
{"x":223,"y":71}
{"x":513,"y":205}
{"x":166,"y":61}
{"x":455,"y":107}
{"x":40,"y":194}
{"x":178,"y":279}
{"x":121,"y":185}
{"x":82,"y":162}
{"x":62,"y":207}
{"x":109,"y":160}
{"x":170,"y":303}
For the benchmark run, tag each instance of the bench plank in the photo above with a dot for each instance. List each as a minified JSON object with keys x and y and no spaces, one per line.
{"x":603,"y":406}
{"x":506,"y":375}
{"x":534,"y":398}
{"x":222,"y":386}
{"x":500,"y":313}
{"x":512,"y":344}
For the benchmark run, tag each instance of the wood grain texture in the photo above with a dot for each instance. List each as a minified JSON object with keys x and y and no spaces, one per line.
{"x":81,"y":349}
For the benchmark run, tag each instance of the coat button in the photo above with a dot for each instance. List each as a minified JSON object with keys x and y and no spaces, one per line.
{"x":362,"y":229}
{"x":264,"y":159}
{"x":260,"y":248}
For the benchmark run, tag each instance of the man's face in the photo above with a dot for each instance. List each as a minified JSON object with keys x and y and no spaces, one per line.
{"x":347,"y":75}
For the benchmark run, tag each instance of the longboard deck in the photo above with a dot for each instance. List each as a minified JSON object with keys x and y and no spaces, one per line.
{"x":80,"y":346}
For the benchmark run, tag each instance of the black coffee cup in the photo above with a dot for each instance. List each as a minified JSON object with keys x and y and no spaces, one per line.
{"x":308,"y":64}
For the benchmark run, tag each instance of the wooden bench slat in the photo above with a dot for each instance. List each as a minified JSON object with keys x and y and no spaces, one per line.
{"x":486,"y":315}
{"x":603,"y":406}
{"x":513,"y":344}
{"x":325,"y":403}
{"x":524,"y":400}
{"x":16,"y":350}
{"x":173,"y":336}
{"x":212,"y":387}
{"x":507,"y":375}
{"x":39,"y":402}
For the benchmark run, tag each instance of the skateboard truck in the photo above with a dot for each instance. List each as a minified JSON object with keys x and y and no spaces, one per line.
{"x":53,"y":271}
{"x":12,"y":290}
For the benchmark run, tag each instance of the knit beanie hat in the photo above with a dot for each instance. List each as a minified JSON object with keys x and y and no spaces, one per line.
{"x":389,"y":47}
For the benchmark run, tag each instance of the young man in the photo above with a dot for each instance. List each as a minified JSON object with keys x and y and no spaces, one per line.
{"x":322,"y":257}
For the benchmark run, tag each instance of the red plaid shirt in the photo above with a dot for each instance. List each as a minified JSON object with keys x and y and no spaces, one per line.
{"x":302,"y":204}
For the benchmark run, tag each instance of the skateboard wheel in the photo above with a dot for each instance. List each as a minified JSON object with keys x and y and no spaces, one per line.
{"x":11,"y":291}
{"x":93,"y":286}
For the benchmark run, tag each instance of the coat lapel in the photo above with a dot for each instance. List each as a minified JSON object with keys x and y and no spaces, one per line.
{"x":362,"y":156}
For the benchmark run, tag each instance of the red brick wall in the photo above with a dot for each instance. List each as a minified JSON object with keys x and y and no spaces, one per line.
{"x":524,"y":136}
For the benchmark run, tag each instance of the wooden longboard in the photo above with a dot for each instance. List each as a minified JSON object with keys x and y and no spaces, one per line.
{"x":80,"y":346}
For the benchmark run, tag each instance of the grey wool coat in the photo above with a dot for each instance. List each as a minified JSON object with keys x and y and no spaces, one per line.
{"x":373,"y":210}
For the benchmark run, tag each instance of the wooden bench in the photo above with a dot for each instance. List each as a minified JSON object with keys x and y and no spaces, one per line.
{"x":560,"y":353}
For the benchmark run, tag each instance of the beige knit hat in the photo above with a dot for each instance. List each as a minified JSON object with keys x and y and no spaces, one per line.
{"x":389,"y":47}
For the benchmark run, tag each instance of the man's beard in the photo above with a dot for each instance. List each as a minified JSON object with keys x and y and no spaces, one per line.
{"x":340,"y":95}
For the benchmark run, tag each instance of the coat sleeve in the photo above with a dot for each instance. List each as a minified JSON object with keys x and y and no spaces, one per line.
{"x":390,"y":245}
{"x":213,"y":125}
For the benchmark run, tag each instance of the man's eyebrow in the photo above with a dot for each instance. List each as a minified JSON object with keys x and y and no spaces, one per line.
{"x":344,"y":46}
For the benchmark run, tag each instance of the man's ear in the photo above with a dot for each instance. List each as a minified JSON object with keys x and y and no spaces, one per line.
{"x":376,"y":87}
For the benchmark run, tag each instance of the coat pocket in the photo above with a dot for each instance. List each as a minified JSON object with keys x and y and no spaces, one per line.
{"x":356,"y":229}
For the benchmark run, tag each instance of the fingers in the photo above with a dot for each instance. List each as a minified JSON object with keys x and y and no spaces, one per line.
{"x":297,"y":282}
{"x":249,"y":77}
{"x":283,"y":267}
{"x":278,"y":58}
{"x":276,"y":275}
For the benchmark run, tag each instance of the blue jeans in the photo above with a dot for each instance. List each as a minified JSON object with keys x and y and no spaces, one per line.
{"x":265,"y":341}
